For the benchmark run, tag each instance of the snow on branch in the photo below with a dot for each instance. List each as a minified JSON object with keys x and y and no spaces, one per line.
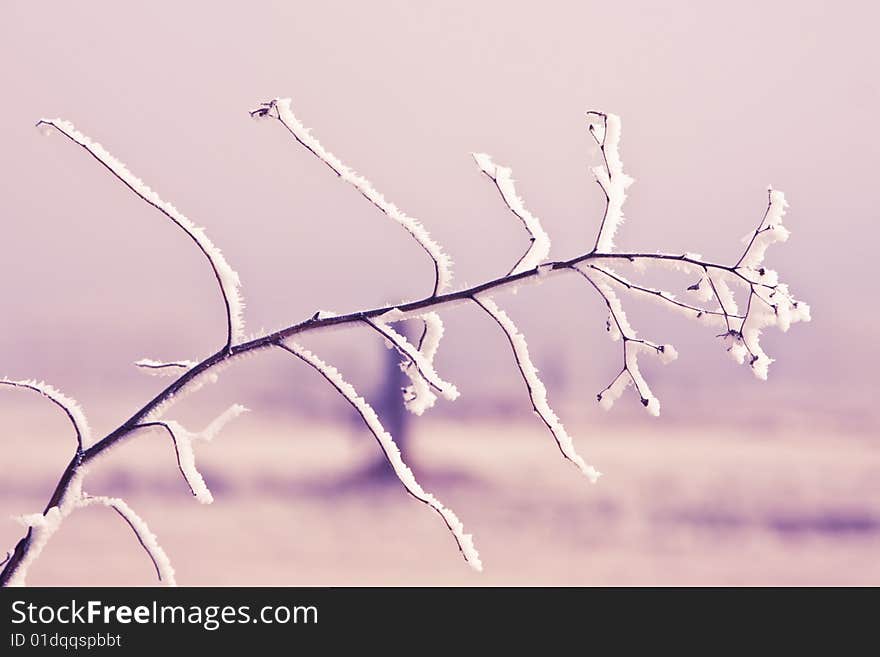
{"x":605,"y":129}
{"x":418,"y":396}
{"x":661,"y":296}
{"x":41,"y":527}
{"x":619,"y":328}
{"x":390,"y":449}
{"x":280,"y":109}
{"x":183,"y":440}
{"x":70,"y":407}
{"x":226,"y":277}
{"x":424,"y":366}
{"x":160,"y":368}
{"x":769,"y":231}
{"x":218,"y":423}
{"x":769,"y":302}
{"x":719,"y":291}
{"x":147,"y":539}
{"x":536,"y":388}
{"x":539,"y":247}
{"x":433,"y":333}
{"x":186,"y":459}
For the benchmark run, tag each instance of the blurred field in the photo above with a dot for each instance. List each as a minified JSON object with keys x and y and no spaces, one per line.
{"x":676,"y":506}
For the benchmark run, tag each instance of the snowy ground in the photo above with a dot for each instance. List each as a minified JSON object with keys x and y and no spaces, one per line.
{"x":679,"y":506}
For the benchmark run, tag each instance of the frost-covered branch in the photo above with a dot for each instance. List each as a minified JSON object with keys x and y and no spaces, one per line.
{"x":41,"y":527}
{"x":536,"y":388}
{"x":424,"y":367}
{"x":539,"y":247}
{"x":147,"y":539}
{"x":769,"y":231}
{"x":390,"y":449}
{"x":183,"y":440}
{"x":659,"y":295}
{"x":226,"y":277}
{"x":71,"y":408}
{"x":418,"y":396}
{"x":619,"y":328}
{"x":186,"y":459}
{"x":161,"y":368}
{"x":280,"y":109}
{"x":768,"y":302}
{"x":605,"y":130}
{"x":69,"y":495}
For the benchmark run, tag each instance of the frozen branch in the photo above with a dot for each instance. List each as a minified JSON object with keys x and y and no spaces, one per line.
{"x":769,"y":231}
{"x":534,"y":385}
{"x":390,"y":449}
{"x":431,"y":336}
{"x":280,"y":109}
{"x":71,"y":408}
{"x":418,"y":396}
{"x":218,"y":423}
{"x":226,"y":277}
{"x":159,"y":368}
{"x":659,"y":295}
{"x":605,"y":130}
{"x":769,"y":302}
{"x":539,"y":247}
{"x":186,"y":458}
{"x":423,"y":365}
{"x":183,"y":440}
{"x":147,"y":539}
{"x":619,"y":329}
{"x":42,"y":526}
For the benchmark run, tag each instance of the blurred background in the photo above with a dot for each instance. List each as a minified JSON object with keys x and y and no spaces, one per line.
{"x":738,"y":482}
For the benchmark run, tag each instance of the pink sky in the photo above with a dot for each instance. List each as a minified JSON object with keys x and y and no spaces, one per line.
{"x":716,"y":103}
